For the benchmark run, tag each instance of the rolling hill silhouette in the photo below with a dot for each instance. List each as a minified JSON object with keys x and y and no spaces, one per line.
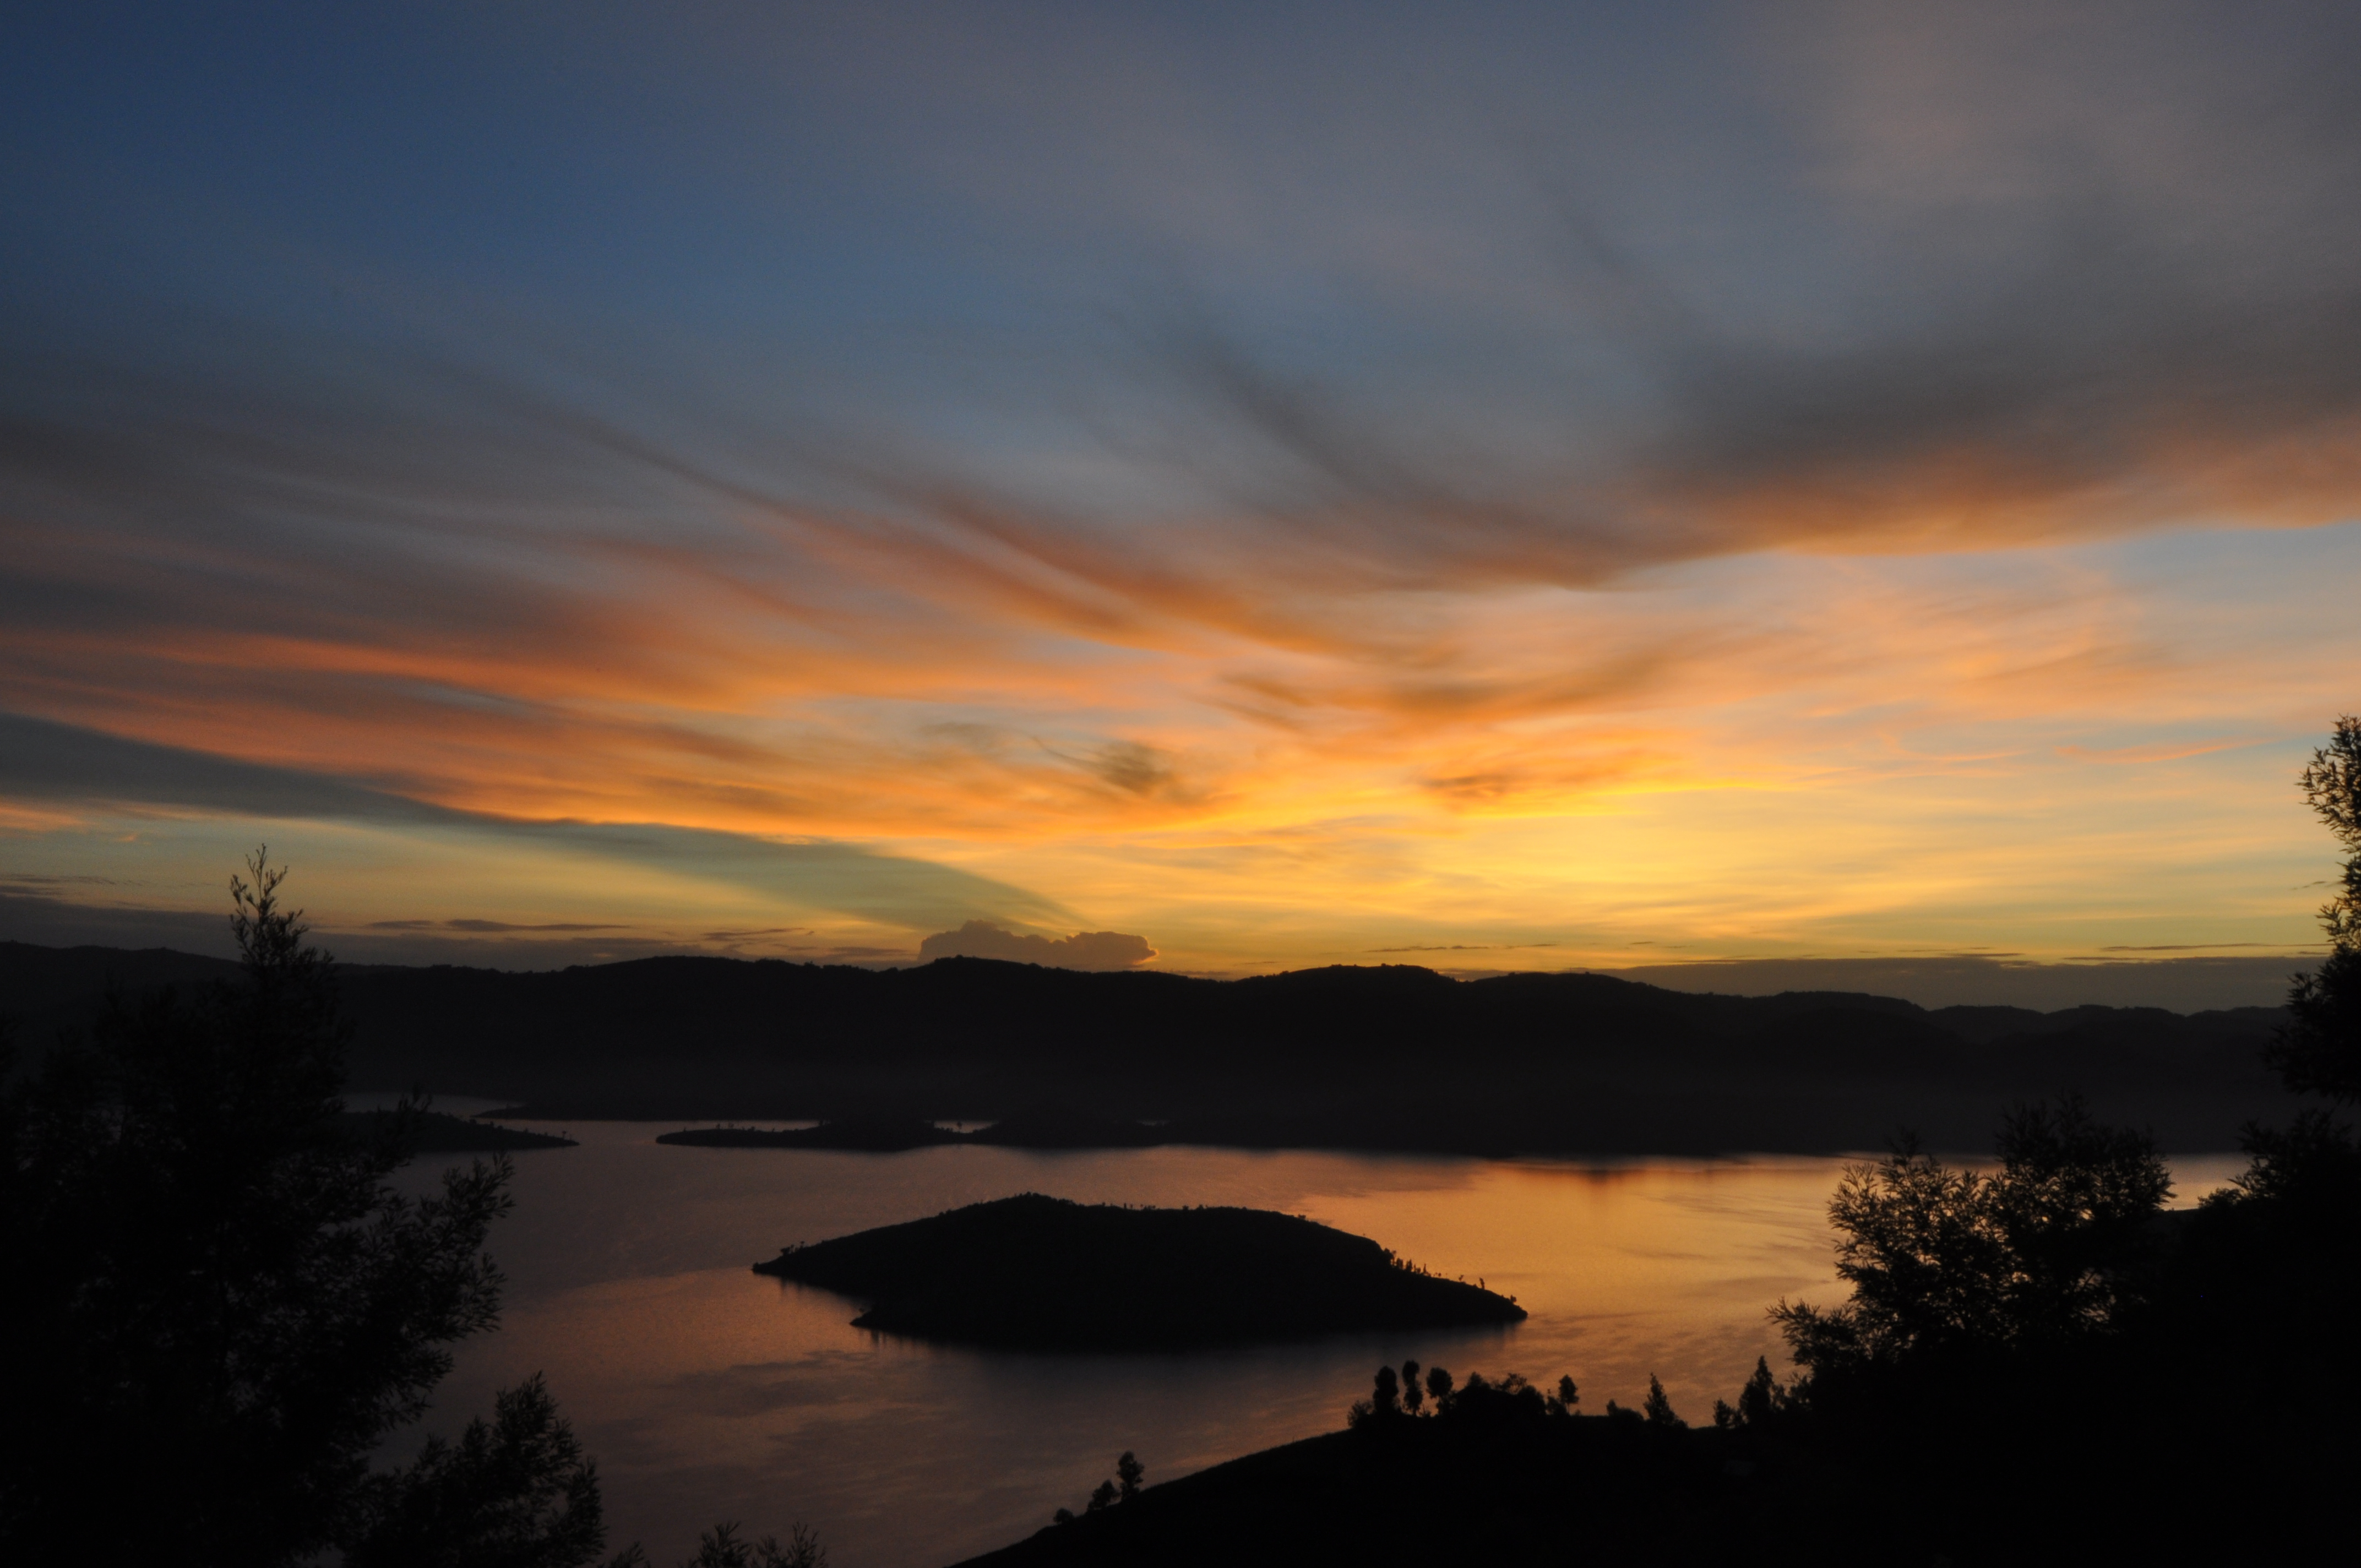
{"x":1389,"y":1057}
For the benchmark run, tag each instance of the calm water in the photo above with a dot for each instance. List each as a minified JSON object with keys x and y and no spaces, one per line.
{"x":708,"y":1392}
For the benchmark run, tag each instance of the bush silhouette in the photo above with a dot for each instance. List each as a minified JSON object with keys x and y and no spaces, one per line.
{"x":516,"y":1490}
{"x":1943,"y":1259}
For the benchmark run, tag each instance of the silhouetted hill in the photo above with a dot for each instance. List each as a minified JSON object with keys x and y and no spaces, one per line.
{"x":1046,"y":1273}
{"x":45,"y":988}
{"x":1391,"y":1057}
{"x":1432,"y":1494}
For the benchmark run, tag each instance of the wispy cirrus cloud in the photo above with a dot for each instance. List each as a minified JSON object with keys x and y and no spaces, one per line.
{"x":1201,"y":474}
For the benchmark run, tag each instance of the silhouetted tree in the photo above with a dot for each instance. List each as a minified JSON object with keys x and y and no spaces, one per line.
{"x":2314,"y":1161}
{"x":1128,"y":1471}
{"x":1386,"y":1400}
{"x":516,"y":1492}
{"x":2319,"y":1050}
{"x":1412,"y":1395}
{"x":1658,"y":1410}
{"x":1482,"y":1403}
{"x":2072,"y":1202}
{"x":1940,"y":1259}
{"x":1759,"y":1397}
{"x":1754,"y":1401}
{"x":1438,"y":1384}
{"x":1104,"y":1497}
{"x":217,"y":1306}
{"x":720,"y":1548}
{"x":1567,"y":1396}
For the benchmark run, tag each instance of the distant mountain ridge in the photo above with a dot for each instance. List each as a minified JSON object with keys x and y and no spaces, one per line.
{"x":1391,"y":1056}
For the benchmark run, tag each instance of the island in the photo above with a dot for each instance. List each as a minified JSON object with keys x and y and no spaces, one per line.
{"x":439,"y":1132}
{"x":1040,"y":1128}
{"x":866,"y":1135}
{"x":1041,"y":1273}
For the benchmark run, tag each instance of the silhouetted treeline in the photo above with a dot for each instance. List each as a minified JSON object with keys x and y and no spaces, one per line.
{"x":1051,"y":1274}
{"x":1381,"y":1058}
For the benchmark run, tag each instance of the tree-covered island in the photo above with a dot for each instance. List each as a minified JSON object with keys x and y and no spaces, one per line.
{"x":1045,"y":1273}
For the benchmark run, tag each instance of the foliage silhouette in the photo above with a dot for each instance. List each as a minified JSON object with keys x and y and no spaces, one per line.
{"x":1477,"y":1402}
{"x":722,"y":1547}
{"x":2319,"y":1050}
{"x":1943,"y":1259}
{"x":516,"y":1492}
{"x":1128,"y":1471}
{"x":220,"y":1308}
{"x":230,"y":1304}
{"x":1756,"y":1402}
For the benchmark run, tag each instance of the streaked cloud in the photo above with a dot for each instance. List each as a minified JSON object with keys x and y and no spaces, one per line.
{"x":42,"y":760}
{"x":1769,"y":481}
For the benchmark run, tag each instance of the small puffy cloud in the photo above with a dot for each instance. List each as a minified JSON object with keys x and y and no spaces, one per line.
{"x":1083,"y":949}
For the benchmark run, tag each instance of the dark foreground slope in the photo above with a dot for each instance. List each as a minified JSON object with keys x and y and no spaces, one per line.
{"x":1391,"y":1057}
{"x":1045,"y":1273}
{"x":1590,"y":1488}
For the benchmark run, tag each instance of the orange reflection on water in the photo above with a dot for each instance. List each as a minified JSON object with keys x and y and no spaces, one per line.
{"x":708,"y":1392}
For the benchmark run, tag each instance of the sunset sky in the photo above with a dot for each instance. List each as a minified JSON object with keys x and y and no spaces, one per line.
{"x":1516,"y":486}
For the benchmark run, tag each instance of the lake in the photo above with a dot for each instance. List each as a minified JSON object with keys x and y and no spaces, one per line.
{"x":708,"y":1392}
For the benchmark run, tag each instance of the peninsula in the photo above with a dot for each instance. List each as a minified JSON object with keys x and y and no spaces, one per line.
{"x":1049,"y":1274}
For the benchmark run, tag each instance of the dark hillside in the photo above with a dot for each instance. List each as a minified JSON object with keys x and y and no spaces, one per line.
{"x":1429,"y":1492}
{"x":1392,"y":1057}
{"x":45,"y":988}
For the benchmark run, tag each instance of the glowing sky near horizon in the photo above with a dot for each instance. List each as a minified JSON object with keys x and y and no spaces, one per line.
{"x":1511,"y":487}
